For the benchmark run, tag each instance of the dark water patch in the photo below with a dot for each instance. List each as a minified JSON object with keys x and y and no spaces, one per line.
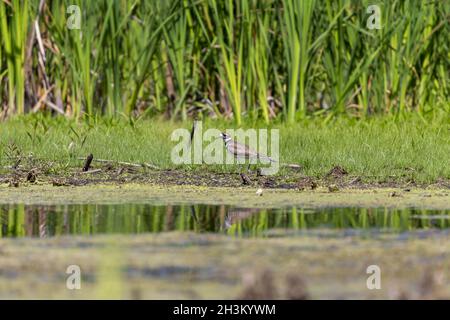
{"x":369,"y":233}
{"x":46,"y":221}
{"x":172,"y":272}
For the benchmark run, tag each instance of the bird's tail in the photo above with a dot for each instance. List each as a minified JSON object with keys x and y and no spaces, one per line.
{"x":263,"y":157}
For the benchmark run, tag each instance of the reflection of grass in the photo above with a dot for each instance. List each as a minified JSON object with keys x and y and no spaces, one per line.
{"x":377,"y":149}
{"x":175,"y":265}
{"x":19,"y":220}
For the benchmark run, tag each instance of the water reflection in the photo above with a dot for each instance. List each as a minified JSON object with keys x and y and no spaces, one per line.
{"x":44,"y":221}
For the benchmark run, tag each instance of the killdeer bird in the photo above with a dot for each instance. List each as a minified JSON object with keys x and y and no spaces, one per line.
{"x":242,"y":151}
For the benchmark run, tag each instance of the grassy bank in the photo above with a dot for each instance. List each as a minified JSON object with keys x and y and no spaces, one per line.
{"x":376,"y":149}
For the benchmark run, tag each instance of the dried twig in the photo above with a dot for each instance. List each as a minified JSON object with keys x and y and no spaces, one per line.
{"x":37,"y":106}
{"x":54,"y":107}
{"x":292,"y":166}
{"x":148,"y":165}
{"x":91,"y":171}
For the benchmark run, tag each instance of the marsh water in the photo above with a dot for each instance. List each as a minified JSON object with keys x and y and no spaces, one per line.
{"x":18,"y":220}
{"x":197,"y":251}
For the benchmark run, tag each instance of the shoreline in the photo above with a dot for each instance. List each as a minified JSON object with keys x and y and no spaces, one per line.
{"x":47,"y":194}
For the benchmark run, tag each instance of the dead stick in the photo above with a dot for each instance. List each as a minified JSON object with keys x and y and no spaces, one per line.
{"x":37,"y":106}
{"x":88,"y":162}
{"x":53,"y":106}
{"x":148,"y":165}
{"x":92,"y":171}
{"x":292,"y":165}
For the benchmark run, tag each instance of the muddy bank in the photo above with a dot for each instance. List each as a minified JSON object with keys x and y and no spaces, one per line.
{"x":46,"y":193}
{"x":174,"y":265}
{"x":112,"y":173}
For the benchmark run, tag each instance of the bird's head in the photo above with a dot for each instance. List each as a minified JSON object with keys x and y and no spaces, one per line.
{"x":225,"y":137}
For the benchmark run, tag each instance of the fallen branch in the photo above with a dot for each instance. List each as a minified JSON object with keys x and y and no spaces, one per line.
{"x":151,"y":166}
{"x":148,"y":165}
{"x":292,"y":166}
{"x":91,"y":171}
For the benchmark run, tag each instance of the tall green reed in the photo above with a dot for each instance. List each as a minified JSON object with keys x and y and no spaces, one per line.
{"x":256,"y":59}
{"x":14,"y":20}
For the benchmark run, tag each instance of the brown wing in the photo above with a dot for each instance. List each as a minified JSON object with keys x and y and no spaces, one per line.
{"x":240,"y":150}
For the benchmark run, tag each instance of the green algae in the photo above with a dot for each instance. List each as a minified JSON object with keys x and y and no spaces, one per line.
{"x":438,"y":199}
{"x":179,"y":265}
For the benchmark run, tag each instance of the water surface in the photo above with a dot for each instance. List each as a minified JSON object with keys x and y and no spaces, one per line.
{"x":46,"y":221}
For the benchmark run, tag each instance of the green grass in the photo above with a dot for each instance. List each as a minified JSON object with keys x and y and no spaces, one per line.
{"x":377,"y":148}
